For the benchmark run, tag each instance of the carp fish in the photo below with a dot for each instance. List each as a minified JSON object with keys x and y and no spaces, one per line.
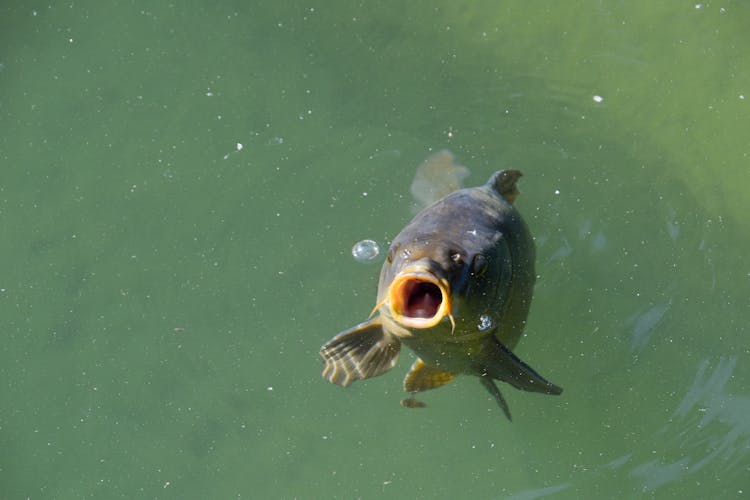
{"x":456,"y":287}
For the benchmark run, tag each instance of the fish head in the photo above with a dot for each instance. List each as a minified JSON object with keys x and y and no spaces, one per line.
{"x":428,"y":282}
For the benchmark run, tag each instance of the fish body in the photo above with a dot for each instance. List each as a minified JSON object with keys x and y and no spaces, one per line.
{"x":456,"y":288}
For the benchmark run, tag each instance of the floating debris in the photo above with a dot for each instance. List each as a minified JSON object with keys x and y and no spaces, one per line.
{"x":412,"y":403}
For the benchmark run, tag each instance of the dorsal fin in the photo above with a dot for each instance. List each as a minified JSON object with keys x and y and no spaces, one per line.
{"x":504,"y":182}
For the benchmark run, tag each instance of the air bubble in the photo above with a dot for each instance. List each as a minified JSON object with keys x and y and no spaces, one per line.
{"x":365,"y":250}
{"x":485,"y":323}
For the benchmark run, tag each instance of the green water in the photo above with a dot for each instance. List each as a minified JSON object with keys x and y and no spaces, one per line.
{"x":164,"y":294}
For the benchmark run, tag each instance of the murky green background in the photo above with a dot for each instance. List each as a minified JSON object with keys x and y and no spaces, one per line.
{"x":163,"y":294}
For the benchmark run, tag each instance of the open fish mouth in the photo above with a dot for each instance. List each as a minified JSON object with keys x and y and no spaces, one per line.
{"x":418,"y":299}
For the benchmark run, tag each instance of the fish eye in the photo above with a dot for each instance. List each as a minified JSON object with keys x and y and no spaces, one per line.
{"x":479,"y":266}
{"x":392,"y":252}
{"x":456,"y":258}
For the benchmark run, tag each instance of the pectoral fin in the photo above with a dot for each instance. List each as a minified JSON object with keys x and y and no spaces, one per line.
{"x":361,"y":352}
{"x":422,"y":377}
{"x":503,"y":365}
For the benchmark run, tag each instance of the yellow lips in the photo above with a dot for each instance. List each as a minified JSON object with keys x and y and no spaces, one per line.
{"x":418,"y":299}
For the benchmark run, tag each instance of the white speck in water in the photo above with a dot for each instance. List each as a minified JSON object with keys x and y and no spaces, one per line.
{"x":598,"y":98}
{"x":238,"y":147}
{"x":742,"y":97}
{"x":557,"y":191}
{"x":365,"y":250}
{"x":485,"y":323}
{"x":698,"y":6}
